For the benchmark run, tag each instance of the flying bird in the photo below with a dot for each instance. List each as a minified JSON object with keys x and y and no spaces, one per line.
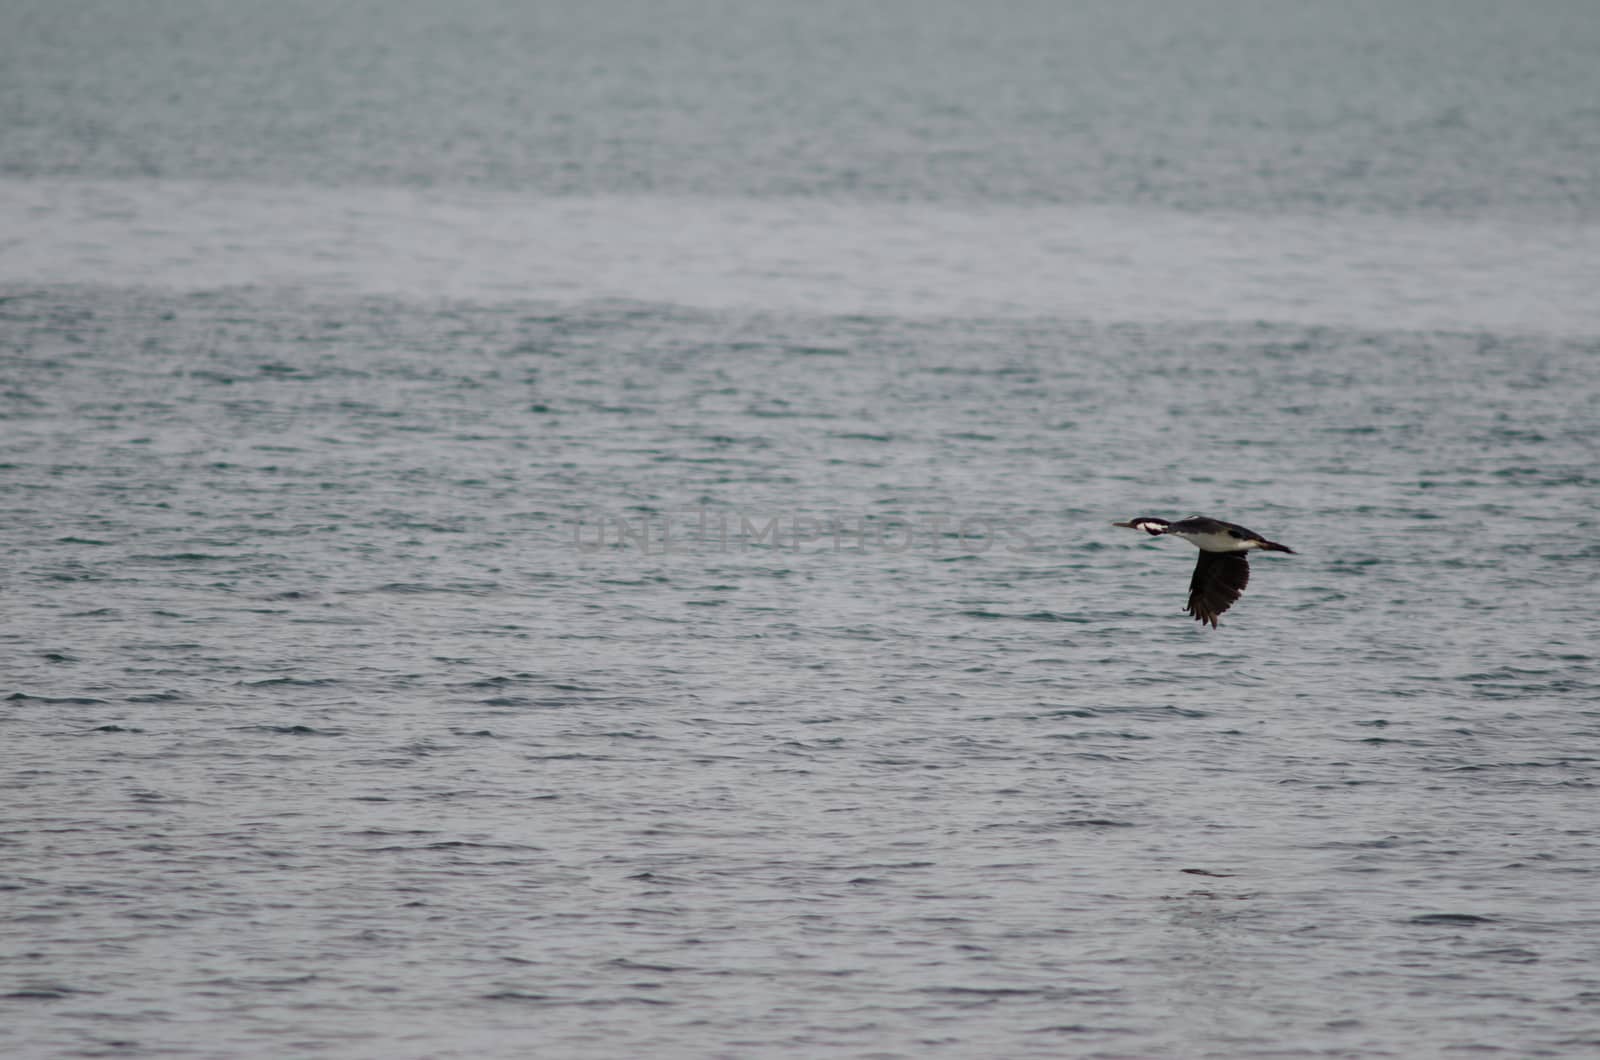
{"x":1223,"y":571}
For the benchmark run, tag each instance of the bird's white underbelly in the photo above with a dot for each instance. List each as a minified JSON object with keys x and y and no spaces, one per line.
{"x":1223,"y":542}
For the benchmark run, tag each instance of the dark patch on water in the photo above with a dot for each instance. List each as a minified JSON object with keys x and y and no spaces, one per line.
{"x":1451,"y":919}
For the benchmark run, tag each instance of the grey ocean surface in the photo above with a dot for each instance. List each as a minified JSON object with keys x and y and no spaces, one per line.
{"x":574,"y":532}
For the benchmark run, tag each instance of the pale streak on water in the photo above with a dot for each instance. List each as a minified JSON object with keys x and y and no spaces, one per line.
{"x":330,"y":731}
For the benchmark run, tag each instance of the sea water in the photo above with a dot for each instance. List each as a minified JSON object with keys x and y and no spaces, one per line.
{"x":584,"y":530}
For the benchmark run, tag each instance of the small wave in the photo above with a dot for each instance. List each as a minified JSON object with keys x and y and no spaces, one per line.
{"x":1452,"y":919}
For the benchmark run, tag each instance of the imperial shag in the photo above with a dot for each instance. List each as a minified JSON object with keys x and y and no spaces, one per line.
{"x":1223,"y":570}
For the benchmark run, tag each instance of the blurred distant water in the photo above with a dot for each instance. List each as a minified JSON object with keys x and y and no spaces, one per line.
{"x":584,"y":531}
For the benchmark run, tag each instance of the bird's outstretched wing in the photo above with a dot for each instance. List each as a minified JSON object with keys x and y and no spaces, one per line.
{"x":1219,"y":578}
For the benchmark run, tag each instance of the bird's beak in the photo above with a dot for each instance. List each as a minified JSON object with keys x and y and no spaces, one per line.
{"x":1130,"y":526}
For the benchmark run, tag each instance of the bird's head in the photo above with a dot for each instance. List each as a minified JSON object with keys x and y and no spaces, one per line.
{"x":1148,"y":523}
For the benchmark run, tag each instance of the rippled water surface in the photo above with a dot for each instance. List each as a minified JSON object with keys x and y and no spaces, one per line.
{"x":569,"y":610}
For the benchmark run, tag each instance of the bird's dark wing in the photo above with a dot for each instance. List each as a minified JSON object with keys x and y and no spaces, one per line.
{"x":1219,"y":578}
